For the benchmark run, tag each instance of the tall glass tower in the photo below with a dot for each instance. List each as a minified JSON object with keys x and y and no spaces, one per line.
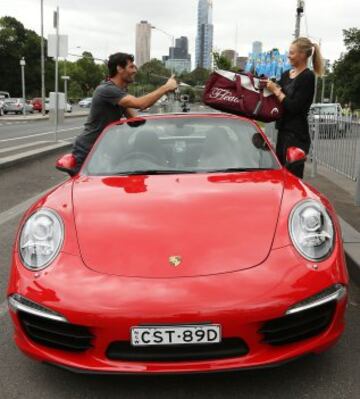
{"x":205,"y":33}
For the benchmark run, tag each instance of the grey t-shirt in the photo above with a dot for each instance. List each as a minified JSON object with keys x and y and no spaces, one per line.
{"x":104,"y":110}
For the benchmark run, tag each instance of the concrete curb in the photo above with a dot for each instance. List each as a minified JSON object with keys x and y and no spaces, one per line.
{"x":12,"y":160}
{"x":351,"y":239}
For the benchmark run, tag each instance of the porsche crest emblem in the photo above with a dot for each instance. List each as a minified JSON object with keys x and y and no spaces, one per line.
{"x":175,"y":260}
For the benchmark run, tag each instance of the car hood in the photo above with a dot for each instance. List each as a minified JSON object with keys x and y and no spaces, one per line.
{"x":168,"y":226}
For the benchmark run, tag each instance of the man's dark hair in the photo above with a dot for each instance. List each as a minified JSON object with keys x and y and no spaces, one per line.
{"x":118,"y":59}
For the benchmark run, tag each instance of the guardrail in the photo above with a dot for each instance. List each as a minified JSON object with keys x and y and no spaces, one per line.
{"x":335,"y":145}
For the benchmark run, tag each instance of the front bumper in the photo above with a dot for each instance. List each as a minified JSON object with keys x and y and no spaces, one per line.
{"x":241,"y":302}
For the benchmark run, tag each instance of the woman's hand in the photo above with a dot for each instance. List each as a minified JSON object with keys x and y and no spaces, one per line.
{"x":273,"y":87}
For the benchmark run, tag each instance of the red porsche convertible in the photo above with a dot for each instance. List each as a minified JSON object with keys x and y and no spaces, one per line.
{"x":182,"y":245}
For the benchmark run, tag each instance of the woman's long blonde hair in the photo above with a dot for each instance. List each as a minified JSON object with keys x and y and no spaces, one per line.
{"x":311,"y":49}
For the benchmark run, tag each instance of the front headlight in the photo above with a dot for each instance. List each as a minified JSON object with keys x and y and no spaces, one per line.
{"x":312,"y":230}
{"x":41,"y":239}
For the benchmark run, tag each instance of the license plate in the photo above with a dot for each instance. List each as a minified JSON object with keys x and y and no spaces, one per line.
{"x":175,"y":335}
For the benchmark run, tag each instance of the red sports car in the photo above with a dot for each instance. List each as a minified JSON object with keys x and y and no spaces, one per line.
{"x":182,"y":245}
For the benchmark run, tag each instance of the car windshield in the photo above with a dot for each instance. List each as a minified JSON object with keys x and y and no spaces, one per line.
{"x":324,"y":110}
{"x":180,"y":145}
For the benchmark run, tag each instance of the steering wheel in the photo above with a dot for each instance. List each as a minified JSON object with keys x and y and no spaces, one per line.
{"x":141,"y":155}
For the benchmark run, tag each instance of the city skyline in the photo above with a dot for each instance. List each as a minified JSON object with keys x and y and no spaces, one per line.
{"x":107,"y":32}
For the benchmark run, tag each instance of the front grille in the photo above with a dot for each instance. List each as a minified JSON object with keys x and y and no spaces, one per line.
{"x":298,"y":326}
{"x":56,"y":334}
{"x":229,"y":347}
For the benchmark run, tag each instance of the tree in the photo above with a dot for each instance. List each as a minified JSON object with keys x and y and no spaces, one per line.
{"x":347,"y":70}
{"x":197,"y":77}
{"x":153,"y":72}
{"x":17,"y":42}
{"x":221,"y":62}
{"x":86,"y":73}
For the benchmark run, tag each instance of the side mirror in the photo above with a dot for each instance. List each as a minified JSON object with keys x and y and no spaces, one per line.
{"x":67,"y":163}
{"x":294,"y":155}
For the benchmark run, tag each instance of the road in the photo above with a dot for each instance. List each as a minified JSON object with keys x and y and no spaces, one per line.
{"x":334,"y":374}
{"x":22,"y":135}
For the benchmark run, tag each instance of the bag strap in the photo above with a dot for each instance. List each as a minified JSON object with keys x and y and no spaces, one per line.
{"x":250,"y":76}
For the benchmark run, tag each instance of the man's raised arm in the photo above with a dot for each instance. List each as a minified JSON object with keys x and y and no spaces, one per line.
{"x":150,"y":99}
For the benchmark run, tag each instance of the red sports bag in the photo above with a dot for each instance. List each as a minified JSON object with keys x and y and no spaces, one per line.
{"x":241,"y":94}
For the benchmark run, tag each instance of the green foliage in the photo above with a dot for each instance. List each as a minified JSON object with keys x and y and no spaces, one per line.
{"x":352,"y":38}
{"x":17,"y":42}
{"x":197,"y":77}
{"x":153,"y":73}
{"x":347,"y":70}
{"x":221,"y":62}
{"x":86,"y":73}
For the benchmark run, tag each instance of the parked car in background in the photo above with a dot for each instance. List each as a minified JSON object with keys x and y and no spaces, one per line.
{"x":16,"y":105}
{"x":330,"y":118}
{"x":3,"y":96}
{"x":47,"y":106}
{"x":37,"y":104}
{"x":86,"y":102}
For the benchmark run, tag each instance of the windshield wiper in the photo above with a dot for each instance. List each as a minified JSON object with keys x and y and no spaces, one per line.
{"x":153,"y":172}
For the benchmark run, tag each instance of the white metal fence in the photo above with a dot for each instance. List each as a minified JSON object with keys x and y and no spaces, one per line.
{"x":335,"y":145}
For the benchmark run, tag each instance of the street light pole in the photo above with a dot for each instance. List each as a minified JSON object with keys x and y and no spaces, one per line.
{"x":22,"y":64}
{"x":56,"y":23}
{"x":299,"y":12}
{"x":42,"y":61}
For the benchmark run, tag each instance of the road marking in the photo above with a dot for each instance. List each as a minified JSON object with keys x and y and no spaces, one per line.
{"x":39,"y":134}
{"x":19,"y":147}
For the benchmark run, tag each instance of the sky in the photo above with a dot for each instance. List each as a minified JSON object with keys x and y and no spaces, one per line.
{"x":108,"y":26}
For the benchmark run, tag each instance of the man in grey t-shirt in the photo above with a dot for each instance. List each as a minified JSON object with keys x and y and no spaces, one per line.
{"x":111,"y":102}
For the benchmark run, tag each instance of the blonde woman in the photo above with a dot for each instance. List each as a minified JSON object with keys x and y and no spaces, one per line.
{"x":295,"y":91}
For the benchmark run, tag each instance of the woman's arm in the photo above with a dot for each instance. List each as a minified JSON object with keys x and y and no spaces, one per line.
{"x":303,"y":94}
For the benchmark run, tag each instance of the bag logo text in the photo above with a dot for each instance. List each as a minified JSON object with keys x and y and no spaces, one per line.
{"x":223,"y":94}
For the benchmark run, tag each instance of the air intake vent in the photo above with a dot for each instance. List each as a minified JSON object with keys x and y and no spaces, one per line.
{"x":229,"y":347}
{"x":298,"y":326}
{"x":56,"y":334}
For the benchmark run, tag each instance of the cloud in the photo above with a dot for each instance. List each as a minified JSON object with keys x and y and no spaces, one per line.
{"x":109,"y":26}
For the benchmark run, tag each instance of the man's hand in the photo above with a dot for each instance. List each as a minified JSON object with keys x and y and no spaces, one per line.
{"x":171,"y":84}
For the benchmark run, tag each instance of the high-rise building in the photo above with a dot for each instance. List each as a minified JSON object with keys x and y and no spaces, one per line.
{"x":257,"y":47}
{"x":179,"y":59}
{"x":143,"y":38}
{"x":241,"y":62}
{"x":205,"y":33}
{"x":230,"y":55}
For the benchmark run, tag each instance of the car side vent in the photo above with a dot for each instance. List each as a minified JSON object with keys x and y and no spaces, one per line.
{"x":56,"y":334}
{"x":298,"y":326}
